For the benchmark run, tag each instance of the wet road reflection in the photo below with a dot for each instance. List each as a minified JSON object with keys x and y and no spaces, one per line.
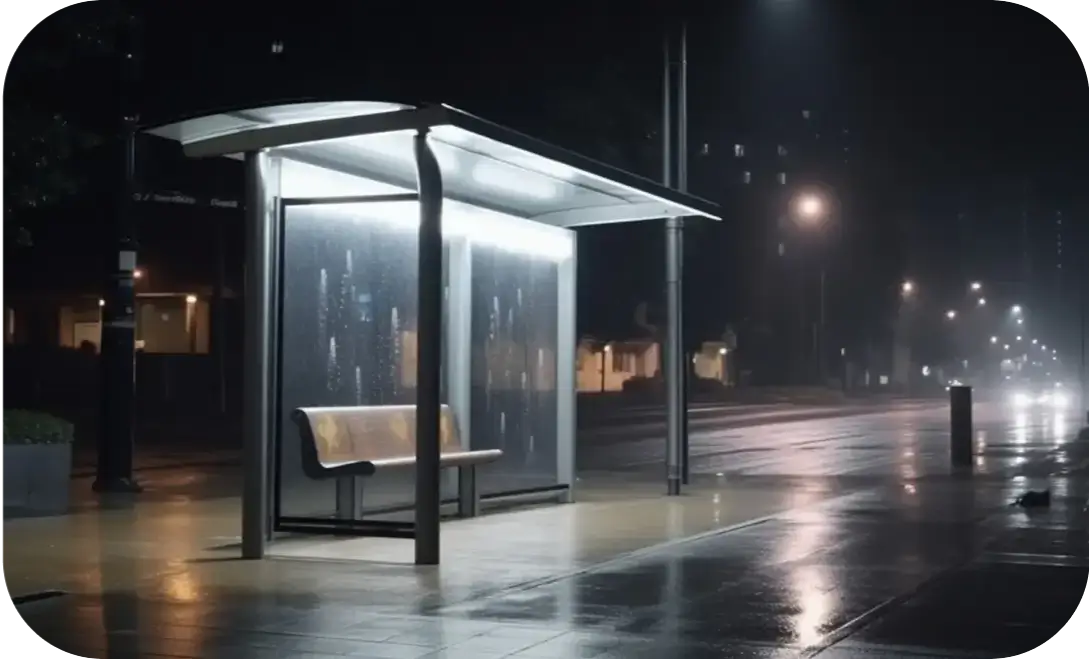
{"x":909,"y":443}
{"x":796,"y":537}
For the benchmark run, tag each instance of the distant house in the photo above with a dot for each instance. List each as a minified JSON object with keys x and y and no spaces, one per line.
{"x":606,"y":366}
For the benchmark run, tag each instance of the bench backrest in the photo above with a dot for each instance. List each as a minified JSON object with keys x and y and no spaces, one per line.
{"x":363,"y":434}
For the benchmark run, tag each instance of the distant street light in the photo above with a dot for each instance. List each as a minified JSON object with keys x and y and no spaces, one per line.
{"x":1016,"y":310}
{"x":1006,"y":346}
{"x":1018,"y":338}
{"x":1020,"y":321}
{"x":982,"y":301}
{"x":908,"y":287}
{"x":950,"y":314}
{"x":1034,"y":342}
{"x":976,"y":286}
{"x":994,"y":339}
{"x":810,"y":208}
{"x":1043,"y":347}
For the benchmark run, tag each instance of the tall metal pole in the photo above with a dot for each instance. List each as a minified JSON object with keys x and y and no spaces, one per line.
{"x":429,"y":354}
{"x":118,"y":342}
{"x":257,"y":370}
{"x":822,"y":348}
{"x":674,"y":375}
{"x":682,"y":185}
{"x":1083,"y":293}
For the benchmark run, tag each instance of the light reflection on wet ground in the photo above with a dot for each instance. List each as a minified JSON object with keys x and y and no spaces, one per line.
{"x":861,"y":541}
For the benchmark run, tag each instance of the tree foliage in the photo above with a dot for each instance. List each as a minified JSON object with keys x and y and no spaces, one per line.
{"x":60,"y":104}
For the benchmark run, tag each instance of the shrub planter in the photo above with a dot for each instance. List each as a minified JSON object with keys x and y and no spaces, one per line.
{"x":37,"y":464}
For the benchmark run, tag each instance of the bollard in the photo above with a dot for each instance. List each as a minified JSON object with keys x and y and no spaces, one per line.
{"x":960,"y":425}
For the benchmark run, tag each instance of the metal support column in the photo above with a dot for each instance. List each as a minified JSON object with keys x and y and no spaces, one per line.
{"x":459,"y":343}
{"x":673,"y":348}
{"x":262,"y":181}
{"x":429,"y":354}
{"x":118,"y":341}
{"x":566,"y":357}
{"x":118,"y":359}
{"x":822,"y":345}
{"x":682,"y":185}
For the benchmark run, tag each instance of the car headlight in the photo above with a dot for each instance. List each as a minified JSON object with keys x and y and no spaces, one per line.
{"x":1021,"y":399}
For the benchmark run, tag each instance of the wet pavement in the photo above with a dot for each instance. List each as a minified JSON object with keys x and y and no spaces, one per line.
{"x":837,"y":538}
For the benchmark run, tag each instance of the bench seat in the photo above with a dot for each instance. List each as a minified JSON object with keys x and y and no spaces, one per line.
{"x":342,"y":442}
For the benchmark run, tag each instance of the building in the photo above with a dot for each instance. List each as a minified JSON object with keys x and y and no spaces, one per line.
{"x":771,"y":165}
{"x":608,"y":366}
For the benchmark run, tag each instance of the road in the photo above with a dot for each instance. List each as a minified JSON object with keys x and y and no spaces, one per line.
{"x":908,"y":440}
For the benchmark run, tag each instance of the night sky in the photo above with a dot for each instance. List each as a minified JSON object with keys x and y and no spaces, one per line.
{"x":971,"y":109}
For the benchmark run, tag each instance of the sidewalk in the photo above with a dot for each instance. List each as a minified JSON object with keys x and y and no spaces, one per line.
{"x":872,"y":566}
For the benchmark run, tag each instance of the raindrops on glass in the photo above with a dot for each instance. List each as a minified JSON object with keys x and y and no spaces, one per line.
{"x":323,"y":307}
{"x":332,"y":366}
{"x":358,"y":385}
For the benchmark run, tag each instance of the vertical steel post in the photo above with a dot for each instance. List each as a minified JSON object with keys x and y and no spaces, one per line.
{"x":671,"y":357}
{"x":822,"y":345}
{"x":260,"y":214}
{"x":429,"y":354}
{"x":1083,"y":293}
{"x":566,"y":358}
{"x":118,"y":340}
{"x":682,"y":185}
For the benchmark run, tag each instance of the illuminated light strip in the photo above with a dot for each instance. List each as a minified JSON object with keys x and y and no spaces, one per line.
{"x":479,"y":226}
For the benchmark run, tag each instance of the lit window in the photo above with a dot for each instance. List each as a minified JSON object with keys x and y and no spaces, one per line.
{"x":746,"y":177}
{"x":739,"y":150}
{"x":782,"y":178}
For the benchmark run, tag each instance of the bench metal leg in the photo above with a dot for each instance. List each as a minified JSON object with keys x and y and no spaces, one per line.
{"x":349,"y":498}
{"x":468,"y":498}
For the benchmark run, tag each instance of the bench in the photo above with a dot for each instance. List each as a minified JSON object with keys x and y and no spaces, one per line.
{"x":345,"y":442}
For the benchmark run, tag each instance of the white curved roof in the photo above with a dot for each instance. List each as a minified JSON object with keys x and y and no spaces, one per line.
{"x":482,"y":164}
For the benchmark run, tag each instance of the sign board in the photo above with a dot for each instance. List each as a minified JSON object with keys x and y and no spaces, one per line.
{"x":182,"y":199}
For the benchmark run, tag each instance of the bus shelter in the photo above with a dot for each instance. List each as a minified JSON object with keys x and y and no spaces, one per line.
{"x":412,"y":256}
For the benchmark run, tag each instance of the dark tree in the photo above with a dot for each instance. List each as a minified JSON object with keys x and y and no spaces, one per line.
{"x":60,"y":106}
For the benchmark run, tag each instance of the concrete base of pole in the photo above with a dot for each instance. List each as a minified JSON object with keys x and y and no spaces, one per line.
{"x":673,"y":487}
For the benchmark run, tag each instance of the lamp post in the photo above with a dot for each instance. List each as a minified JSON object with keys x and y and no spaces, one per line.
{"x":811,"y":211}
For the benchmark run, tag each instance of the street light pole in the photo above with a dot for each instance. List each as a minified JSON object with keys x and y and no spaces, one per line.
{"x":1083,"y":290}
{"x":821,"y":345}
{"x":673,"y":348}
{"x":114,"y":468}
{"x":682,"y":185}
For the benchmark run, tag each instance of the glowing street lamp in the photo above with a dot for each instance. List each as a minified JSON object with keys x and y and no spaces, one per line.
{"x":982,"y":301}
{"x":951,"y":314}
{"x":810,"y":208}
{"x":1016,"y":310}
{"x":1034,"y":342}
{"x":908,"y":287}
{"x":994,"y":339}
{"x":976,"y":286}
